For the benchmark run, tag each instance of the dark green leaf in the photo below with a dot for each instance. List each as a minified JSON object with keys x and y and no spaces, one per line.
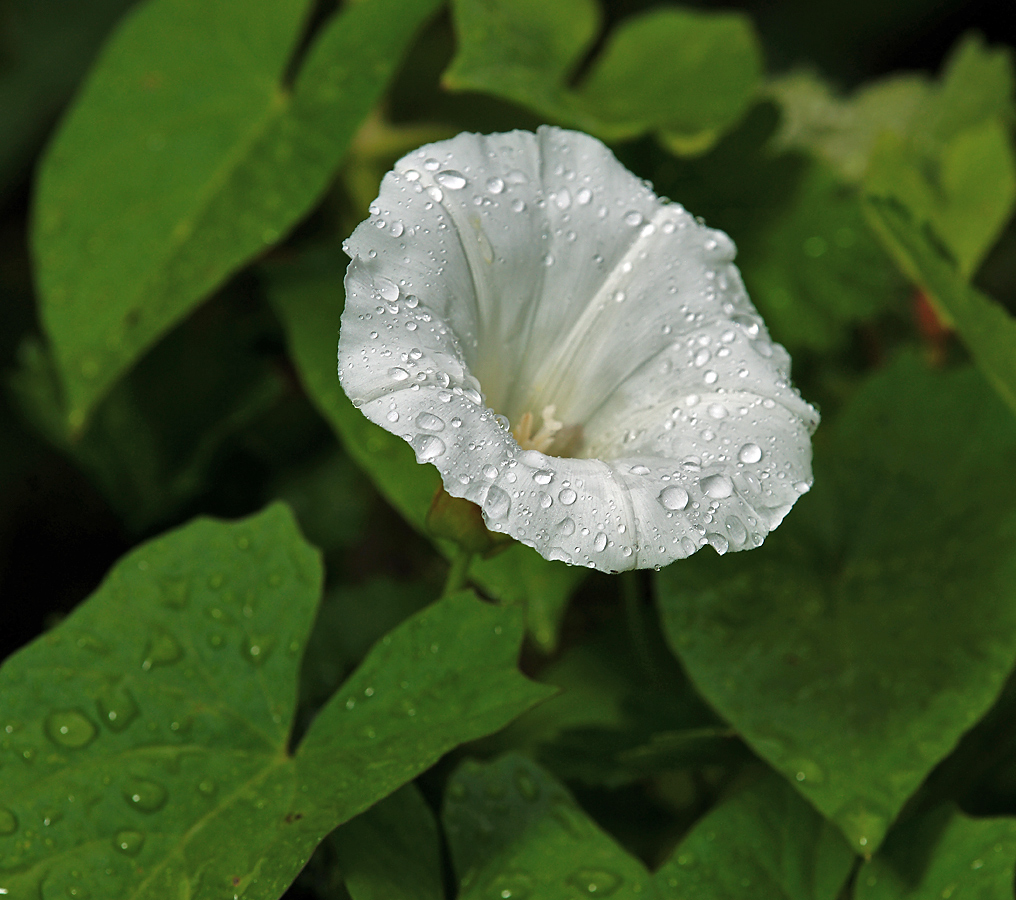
{"x":765,"y":841}
{"x":941,"y":855}
{"x":874,"y":627}
{"x":184,"y":157}
{"x":516,"y":832}
{"x":986,"y":328}
{"x":392,"y":851}
{"x":152,"y":443}
{"x":146,"y":737}
{"x":308,"y":298}
{"x":687,"y":74}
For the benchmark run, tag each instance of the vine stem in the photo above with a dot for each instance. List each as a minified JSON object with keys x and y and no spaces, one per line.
{"x":458,"y":571}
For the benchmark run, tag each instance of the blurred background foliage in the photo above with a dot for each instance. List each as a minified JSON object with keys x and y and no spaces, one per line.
{"x":170,"y":285}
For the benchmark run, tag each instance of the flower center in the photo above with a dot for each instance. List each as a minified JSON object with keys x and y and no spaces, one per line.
{"x":553,"y":438}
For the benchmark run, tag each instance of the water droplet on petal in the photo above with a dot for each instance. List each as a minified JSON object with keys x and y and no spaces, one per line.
{"x":388,"y":290}
{"x":495,"y":185}
{"x":129,"y":842}
{"x":735,"y":528}
{"x":562,"y":199}
{"x":435,"y":193}
{"x":429,"y":422}
{"x":449,"y":178}
{"x":674,"y":498}
{"x":70,"y":728}
{"x":718,"y":542}
{"x":584,"y":196}
{"x":718,"y":487}
{"x":428,"y":447}
{"x":710,"y":377}
{"x":633,"y":218}
{"x":600,"y":542}
{"x":566,"y":527}
{"x":497,"y":503}
{"x":145,"y":796}
{"x":518,"y":205}
{"x":750,"y":453}
{"x":567,"y":497}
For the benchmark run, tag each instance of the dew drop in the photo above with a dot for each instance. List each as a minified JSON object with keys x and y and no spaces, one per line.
{"x":562,"y":199}
{"x":718,"y":542}
{"x":512,"y":886}
{"x":566,"y":527}
{"x":674,"y":498}
{"x":435,"y":193}
{"x":567,"y":497}
{"x":428,"y":447}
{"x":702,"y":357}
{"x":429,"y":422}
{"x":497,"y":503}
{"x":735,"y":528}
{"x":633,"y":218}
{"x":145,"y":796}
{"x":257,"y":648}
{"x":8,"y":822}
{"x":495,"y":185}
{"x":600,"y":542}
{"x":70,"y":728}
{"x":718,"y":487}
{"x":717,"y":410}
{"x":449,"y":178}
{"x":207,"y":787}
{"x":431,"y":164}
{"x":392,"y":416}
{"x":596,"y":882}
{"x":619,"y":296}
{"x":116,"y":708}
{"x":518,"y":205}
{"x":162,"y":649}
{"x":750,"y":453}
{"x":397,"y":228}
{"x":128,"y":841}
{"x":388,"y":290}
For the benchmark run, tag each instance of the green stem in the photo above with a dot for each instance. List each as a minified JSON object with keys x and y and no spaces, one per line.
{"x":458,"y":571}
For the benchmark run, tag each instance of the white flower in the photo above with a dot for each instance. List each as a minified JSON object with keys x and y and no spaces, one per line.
{"x":575,"y":355}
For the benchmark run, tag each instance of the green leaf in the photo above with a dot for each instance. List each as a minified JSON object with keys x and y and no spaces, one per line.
{"x":687,"y":74}
{"x":47,"y":47}
{"x":815,"y":268}
{"x":943,"y":854}
{"x":874,"y":627}
{"x":184,"y":156}
{"x":985,"y":327}
{"x":392,"y":851}
{"x":516,"y":832}
{"x":971,"y":196}
{"x":147,"y":736}
{"x":308,"y":298}
{"x":765,"y":841}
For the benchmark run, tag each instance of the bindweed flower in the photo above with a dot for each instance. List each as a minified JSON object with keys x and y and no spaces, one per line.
{"x":576,"y":355}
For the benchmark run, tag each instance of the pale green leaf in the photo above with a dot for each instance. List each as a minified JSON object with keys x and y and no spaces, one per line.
{"x":184,"y":156}
{"x":148,"y":735}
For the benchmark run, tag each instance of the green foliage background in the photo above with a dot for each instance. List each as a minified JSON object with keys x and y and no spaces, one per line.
{"x":230,"y":667}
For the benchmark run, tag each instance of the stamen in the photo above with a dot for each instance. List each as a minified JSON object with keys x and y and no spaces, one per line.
{"x":544,"y":439}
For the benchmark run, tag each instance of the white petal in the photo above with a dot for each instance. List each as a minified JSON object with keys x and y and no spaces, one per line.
{"x":512,"y":272}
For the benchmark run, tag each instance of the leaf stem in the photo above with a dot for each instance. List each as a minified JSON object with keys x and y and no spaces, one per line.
{"x":458,"y":571}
